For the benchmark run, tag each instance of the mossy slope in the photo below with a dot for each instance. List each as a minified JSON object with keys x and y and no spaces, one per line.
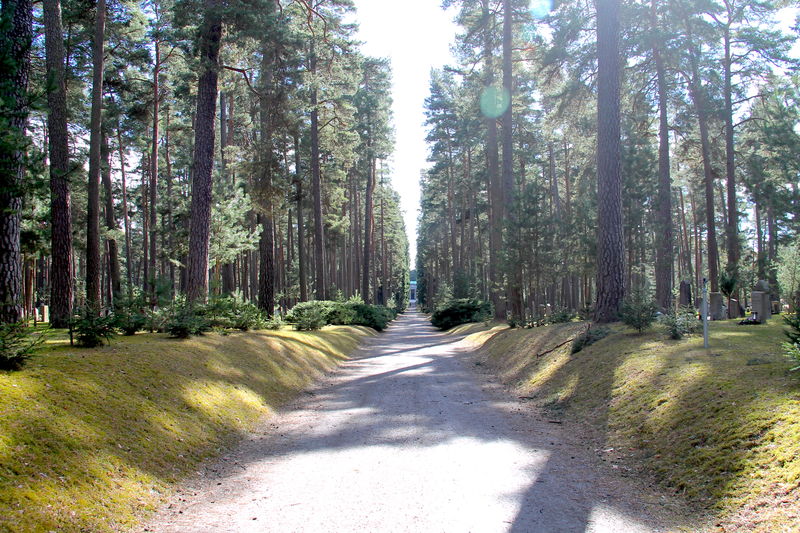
{"x":721,"y":427}
{"x":90,"y":440}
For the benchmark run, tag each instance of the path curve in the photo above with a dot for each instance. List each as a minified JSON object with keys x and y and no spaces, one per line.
{"x":407,"y":438}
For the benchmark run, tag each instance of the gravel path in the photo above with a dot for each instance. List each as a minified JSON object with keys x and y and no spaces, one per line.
{"x":407,"y":437}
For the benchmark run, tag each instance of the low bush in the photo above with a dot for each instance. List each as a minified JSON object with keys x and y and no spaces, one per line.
{"x":17,"y":345}
{"x":318,"y":313}
{"x":376,"y":317}
{"x":92,"y":330}
{"x":460,"y":311}
{"x":792,"y":347}
{"x":591,"y":336}
{"x":638,"y":311}
{"x":311,"y":319}
{"x":680,"y":323}
{"x":561,"y":316}
{"x":130,"y":315}
{"x":184,"y":320}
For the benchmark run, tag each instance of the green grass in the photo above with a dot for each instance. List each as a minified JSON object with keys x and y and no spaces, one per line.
{"x":92,"y":440}
{"x":720,"y":427}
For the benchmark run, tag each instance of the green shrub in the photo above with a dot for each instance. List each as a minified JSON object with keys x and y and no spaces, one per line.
{"x":306,"y":315}
{"x":17,"y":345}
{"x":310,"y":319}
{"x":591,"y":336}
{"x":275,"y":323}
{"x":460,"y":311}
{"x":91,"y":330}
{"x":183,"y":321}
{"x":638,"y":311}
{"x":130,"y":315}
{"x":561,"y":316}
{"x":679,"y":323}
{"x":376,"y":317}
{"x":792,"y":348}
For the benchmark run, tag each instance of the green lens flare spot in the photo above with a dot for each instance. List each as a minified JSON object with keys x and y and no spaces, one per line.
{"x":540,"y":8}
{"x":494,"y":101}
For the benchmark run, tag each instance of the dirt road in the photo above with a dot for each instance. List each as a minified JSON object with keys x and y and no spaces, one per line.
{"x":406,"y":437}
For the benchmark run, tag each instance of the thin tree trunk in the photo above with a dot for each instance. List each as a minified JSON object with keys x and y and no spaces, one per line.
{"x":111,"y":223}
{"x":61,"y":273}
{"x":125,"y":215}
{"x":301,"y":238}
{"x":697,"y":92}
{"x":664,"y":239}
{"x":368,"y":201}
{"x":495,"y":182}
{"x":320,"y":285}
{"x":154,"y":175}
{"x":93,"y":262}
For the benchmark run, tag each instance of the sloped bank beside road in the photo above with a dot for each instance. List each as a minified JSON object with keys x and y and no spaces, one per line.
{"x":90,"y":440}
{"x":721,"y":428}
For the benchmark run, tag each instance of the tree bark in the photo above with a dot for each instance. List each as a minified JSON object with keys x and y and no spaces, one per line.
{"x":111,"y":223}
{"x":93,"y":262}
{"x":16,"y":49}
{"x":664,"y":239}
{"x":610,"y":248}
{"x":368,"y":240}
{"x":203,"y":162}
{"x":154,"y":177}
{"x":61,"y":274}
{"x":320,"y":285}
{"x":496,"y":220}
{"x":697,"y":93}
{"x":301,"y":231}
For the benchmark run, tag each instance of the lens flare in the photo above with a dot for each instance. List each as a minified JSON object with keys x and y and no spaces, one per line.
{"x":494,"y":101}
{"x":540,"y":8}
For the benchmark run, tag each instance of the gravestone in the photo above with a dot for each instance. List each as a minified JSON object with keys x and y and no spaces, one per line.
{"x":735,"y":309}
{"x":685,"y":295}
{"x":716,"y":309}
{"x":761,"y":302}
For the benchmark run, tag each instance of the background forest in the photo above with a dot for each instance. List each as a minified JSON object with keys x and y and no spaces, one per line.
{"x":707,"y":97}
{"x":158,"y":149}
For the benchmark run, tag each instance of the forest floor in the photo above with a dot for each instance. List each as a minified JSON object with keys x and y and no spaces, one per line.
{"x":718,"y":428}
{"x":94,"y":439}
{"x":408,"y":437}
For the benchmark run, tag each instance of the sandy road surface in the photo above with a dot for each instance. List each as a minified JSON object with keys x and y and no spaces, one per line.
{"x":406,"y":437}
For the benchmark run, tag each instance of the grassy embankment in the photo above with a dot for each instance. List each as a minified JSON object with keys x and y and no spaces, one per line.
{"x":91,"y":440}
{"x":720,"y":427}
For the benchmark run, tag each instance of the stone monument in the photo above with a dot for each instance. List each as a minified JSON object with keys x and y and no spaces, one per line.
{"x":685,"y":297}
{"x":761,"y":302}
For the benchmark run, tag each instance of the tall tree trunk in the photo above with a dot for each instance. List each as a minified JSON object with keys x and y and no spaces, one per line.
{"x":496,"y":219}
{"x":111,"y":223}
{"x":203,"y":163}
{"x":664,"y":239}
{"x":368,"y":241}
{"x":15,"y":47}
{"x":61,"y":274}
{"x":697,"y":92}
{"x":170,"y":203}
{"x":301,"y":230}
{"x":125,"y":214}
{"x":732,"y":220}
{"x":266,"y":282}
{"x":320,"y":285}
{"x":93,"y":262}
{"x":610,"y":248}
{"x":154,"y":177}
{"x":514,"y":283}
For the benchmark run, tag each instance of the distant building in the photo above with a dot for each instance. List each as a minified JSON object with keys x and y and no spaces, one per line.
{"x":413,"y":291}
